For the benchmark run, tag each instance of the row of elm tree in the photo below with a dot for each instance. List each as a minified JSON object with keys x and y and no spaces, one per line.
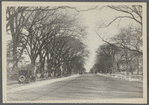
{"x":52,"y":34}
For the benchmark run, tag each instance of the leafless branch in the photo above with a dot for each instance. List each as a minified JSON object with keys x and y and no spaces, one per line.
{"x":123,"y":46}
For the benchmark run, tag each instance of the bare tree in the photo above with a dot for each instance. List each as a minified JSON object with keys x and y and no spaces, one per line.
{"x":133,"y":12}
{"x":126,"y":48}
{"x":15,"y":22}
{"x":130,"y":43}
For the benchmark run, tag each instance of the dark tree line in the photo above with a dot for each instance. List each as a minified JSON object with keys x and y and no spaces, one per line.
{"x":52,"y":34}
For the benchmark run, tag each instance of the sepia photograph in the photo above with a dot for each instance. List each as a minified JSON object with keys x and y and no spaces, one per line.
{"x":74,"y":52}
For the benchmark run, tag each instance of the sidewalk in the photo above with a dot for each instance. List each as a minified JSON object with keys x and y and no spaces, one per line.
{"x":16,"y":82}
{"x":9,"y":82}
{"x":13,"y":83}
{"x":38,"y":84}
{"x":124,"y":77}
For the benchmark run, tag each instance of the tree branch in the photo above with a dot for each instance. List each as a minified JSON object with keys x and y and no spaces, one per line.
{"x":118,"y":46}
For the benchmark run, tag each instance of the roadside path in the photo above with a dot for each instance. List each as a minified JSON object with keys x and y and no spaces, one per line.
{"x":38,"y":84}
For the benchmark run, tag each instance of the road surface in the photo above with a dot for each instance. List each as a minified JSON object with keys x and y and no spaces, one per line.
{"x":85,"y":86}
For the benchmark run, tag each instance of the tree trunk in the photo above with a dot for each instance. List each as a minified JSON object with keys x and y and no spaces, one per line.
{"x":41,"y":64}
{"x":137,"y":65}
{"x":126,"y":58}
{"x":32,"y":61}
{"x":118,"y":67}
{"x":48,"y":64}
{"x":14,"y":52}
